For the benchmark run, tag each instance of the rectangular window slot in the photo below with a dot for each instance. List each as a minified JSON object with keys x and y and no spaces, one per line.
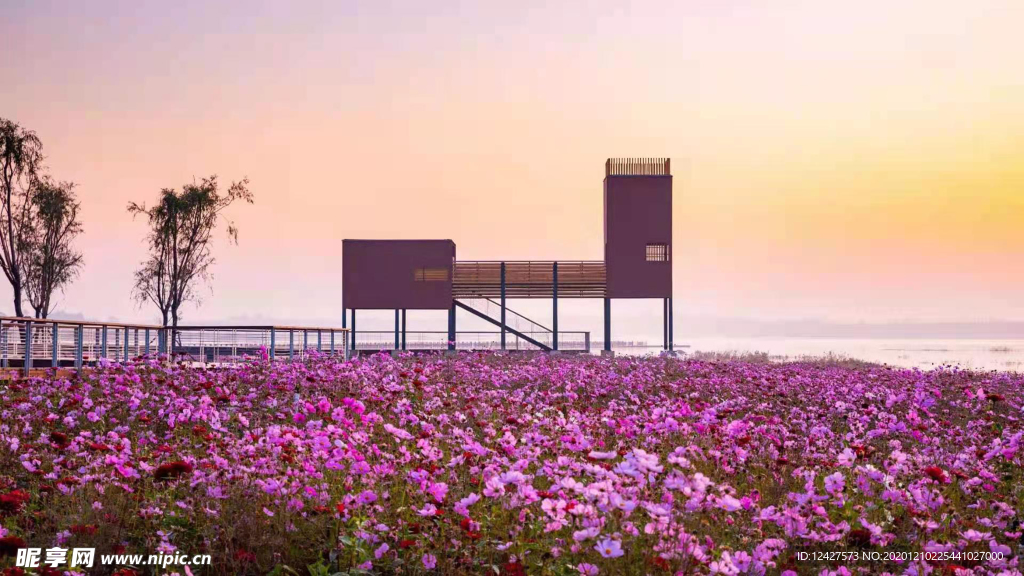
{"x":657,"y":252}
{"x":431,"y":274}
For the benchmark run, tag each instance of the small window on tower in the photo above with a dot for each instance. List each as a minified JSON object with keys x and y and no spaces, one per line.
{"x":431,"y":274}
{"x":657,"y":252}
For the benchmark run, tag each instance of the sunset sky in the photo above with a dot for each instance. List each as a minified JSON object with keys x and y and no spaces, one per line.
{"x":847,"y":161}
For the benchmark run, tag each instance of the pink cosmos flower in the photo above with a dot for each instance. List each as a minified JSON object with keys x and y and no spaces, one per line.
{"x":429,"y":561}
{"x":835,"y":483}
{"x":609,"y":548}
{"x":587,"y":569}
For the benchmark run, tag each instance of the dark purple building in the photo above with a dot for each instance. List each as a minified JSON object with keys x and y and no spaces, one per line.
{"x":638,"y":229}
{"x":397,"y":274}
{"x":424,"y":275}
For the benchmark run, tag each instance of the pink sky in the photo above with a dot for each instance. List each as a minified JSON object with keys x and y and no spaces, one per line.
{"x":836,"y":160}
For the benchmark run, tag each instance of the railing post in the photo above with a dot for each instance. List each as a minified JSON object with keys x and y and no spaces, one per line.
{"x":305,"y":343}
{"x":352,"y":334}
{"x":3,"y":339}
{"x":332,"y":343}
{"x":319,"y":340}
{"x":79,"y":345}
{"x":586,"y":341}
{"x":126,"y":332}
{"x":146,"y":334}
{"x":56,"y":350}
{"x":404,"y":331}
{"x":103,"y":345}
{"x":291,"y":344}
{"x":27,"y":364}
{"x":397,"y":342}
{"x":273,"y":342}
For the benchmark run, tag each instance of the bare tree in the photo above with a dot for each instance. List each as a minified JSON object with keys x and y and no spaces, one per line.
{"x":181,"y":225}
{"x":52,"y":262}
{"x":21,"y":158}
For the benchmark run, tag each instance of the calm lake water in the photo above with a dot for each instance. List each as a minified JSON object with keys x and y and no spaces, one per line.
{"x":1005,"y":355}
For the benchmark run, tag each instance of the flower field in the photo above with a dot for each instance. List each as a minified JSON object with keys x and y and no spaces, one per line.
{"x":482,"y":463}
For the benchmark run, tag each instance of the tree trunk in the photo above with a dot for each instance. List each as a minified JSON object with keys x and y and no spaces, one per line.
{"x":17,"y":301}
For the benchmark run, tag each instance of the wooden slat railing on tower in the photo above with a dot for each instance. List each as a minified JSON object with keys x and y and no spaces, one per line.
{"x":529,"y":279}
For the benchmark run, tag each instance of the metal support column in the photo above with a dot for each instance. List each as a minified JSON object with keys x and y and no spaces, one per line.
{"x":451,"y":327}
{"x":608,"y":324}
{"x":671,"y":343}
{"x":664,"y":320}
{"x":103,"y":344}
{"x":404,"y":330}
{"x":332,"y":343}
{"x":273,"y":342}
{"x":305,"y":343}
{"x":554,"y":306}
{"x":147,"y":341}
{"x":27,"y":365}
{"x":353,"y":329}
{"x":291,"y":344}
{"x":502,"y":305}
{"x":126,"y":331}
{"x":56,"y":344}
{"x":319,"y":340}
{"x":398,"y":342}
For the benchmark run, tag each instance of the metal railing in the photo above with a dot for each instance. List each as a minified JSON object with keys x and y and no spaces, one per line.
{"x":375,"y":340}
{"x":29,"y":343}
{"x":227,"y":344}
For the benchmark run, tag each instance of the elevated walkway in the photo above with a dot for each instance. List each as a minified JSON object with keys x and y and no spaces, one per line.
{"x":529,"y":279}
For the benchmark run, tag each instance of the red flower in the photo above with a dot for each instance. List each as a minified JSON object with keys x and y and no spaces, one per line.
{"x":84,"y":529}
{"x":98,"y":447}
{"x":13,"y":501}
{"x":406,"y":543}
{"x":937,"y":474}
{"x":59,"y":439}
{"x":660,"y":562}
{"x":340,"y":507}
{"x":125,"y":572}
{"x":514,"y":569}
{"x":244,"y":555}
{"x":171,"y":470}
{"x":9,"y":545}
